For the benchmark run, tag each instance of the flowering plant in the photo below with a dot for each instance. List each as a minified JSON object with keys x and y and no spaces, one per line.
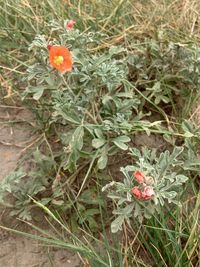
{"x":90,"y":101}
{"x":148,"y":185}
{"x":86,"y":94}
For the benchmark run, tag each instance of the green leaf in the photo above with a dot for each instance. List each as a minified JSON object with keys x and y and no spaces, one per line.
{"x":157,"y":100}
{"x":102,"y":162}
{"x":120,"y":145}
{"x":125,"y":94}
{"x":73,"y":118}
{"x":106,"y":99}
{"x":165,"y":99}
{"x":77,"y":138}
{"x":123,"y":139}
{"x":97,"y":143}
{"x":91,"y":212}
{"x":169,"y":195}
{"x":90,"y":196}
{"x":181,"y":178}
{"x":99,"y":133}
{"x":187,"y":126}
{"x":119,"y":142}
{"x":38,"y":94}
{"x":116,"y":225}
{"x":37,"y":91}
{"x":176,"y":152}
{"x":156,"y":87}
{"x":115,"y":50}
{"x":92,"y":223}
{"x":11,"y":179}
{"x":45,"y":201}
{"x":188,"y":134}
{"x":137,"y":211}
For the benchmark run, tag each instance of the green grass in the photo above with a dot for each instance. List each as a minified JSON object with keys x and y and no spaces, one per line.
{"x":171,"y":239}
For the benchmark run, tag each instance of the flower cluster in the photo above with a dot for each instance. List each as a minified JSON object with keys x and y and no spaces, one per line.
{"x":145,"y":190}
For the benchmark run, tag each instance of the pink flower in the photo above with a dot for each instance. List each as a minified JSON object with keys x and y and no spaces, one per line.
{"x":148,"y":192}
{"x":139,"y":176}
{"x":70,"y":24}
{"x":136,"y":192}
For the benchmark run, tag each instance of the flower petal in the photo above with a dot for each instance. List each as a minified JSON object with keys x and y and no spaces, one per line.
{"x":61,"y":51}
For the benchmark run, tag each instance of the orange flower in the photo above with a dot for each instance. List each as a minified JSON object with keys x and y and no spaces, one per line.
{"x":60,"y":58}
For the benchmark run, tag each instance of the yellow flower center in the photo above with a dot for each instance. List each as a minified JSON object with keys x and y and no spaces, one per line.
{"x":58,"y":60}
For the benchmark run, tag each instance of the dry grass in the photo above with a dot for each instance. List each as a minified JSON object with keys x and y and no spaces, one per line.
{"x":176,"y":19}
{"x":176,"y":16}
{"x":195,"y":116}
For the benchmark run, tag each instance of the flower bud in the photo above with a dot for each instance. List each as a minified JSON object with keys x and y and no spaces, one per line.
{"x":148,"y":180}
{"x":139,"y":176}
{"x":70,"y":24}
{"x":148,"y":192}
{"x":137,"y":193}
{"x":49,"y":46}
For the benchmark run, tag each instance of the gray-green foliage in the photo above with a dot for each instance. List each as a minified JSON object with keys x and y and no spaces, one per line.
{"x":167,"y":179}
{"x":99,"y":104}
{"x":93,"y":104}
{"x":94,"y":110}
{"x":22,"y":185}
{"x":167,"y":72}
{"x":10,"y":183}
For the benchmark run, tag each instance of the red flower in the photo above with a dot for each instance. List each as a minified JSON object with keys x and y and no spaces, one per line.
{"x":70,"y":24}
{"x":49,"y":46}
{"x":139,"y":176}
{"x":136,"y":192}
{"x":148,"y":192}
{"x":60,"y":58}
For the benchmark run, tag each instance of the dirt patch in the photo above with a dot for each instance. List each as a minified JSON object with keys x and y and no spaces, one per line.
{"x":15,"y":251}
{"x":151,"y":141}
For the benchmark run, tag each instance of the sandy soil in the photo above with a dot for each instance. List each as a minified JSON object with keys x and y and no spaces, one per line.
{"x":16,"y":251}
